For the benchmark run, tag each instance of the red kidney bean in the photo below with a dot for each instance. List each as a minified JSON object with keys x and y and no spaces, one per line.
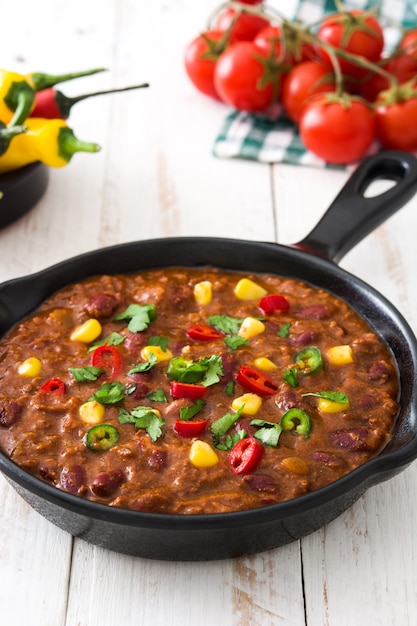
{"x":228,"y":364}
{"x":106,"y":484}
{"x":261,"y":482}
{"x":73,"y":479}
{"x":10,"y":414}
{"x":379,"y":371}
{"x":180,"y":296}
{"x":101,"y":305}
{"x":314,"y":312}
{"x":328,"y":459}
{"x":306,"y":338}
{"x":158,"y":460}
{"x":286,"y":400}
{"x":134,"y":342}
{"x":367,"y":401}
{"x":141,"y":382}
{"x":351,"y":439}
{"x":150,"y":502}
{"x":47,"y":473}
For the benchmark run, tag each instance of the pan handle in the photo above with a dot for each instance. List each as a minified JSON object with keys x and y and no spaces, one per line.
{"x":352,"y":216}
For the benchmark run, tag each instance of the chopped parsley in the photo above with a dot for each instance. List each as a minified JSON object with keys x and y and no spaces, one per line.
{"x":188,"y":412}
{"x":145,"y":366}
{"x":110,"y":393}
{"x":162,"y":342}
{"x":143,"y":417}
{"x":86,"y":374}
{"x":284,"y":331}
{"x":157,"y":396}
{"x":268,"y":432}
{"x":114,"y":339}
{"x":139,"y":316}
{"x":333,"y":396}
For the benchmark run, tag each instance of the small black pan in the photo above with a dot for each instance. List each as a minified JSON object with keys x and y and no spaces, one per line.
{"x":203,"y":537}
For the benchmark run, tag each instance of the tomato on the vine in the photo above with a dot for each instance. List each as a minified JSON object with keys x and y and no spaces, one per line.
{"x":356,"y":32}
{"x":285,"y":42}
{"x":402,"y":68}
{"x":246,"y":27}
{"x":301,"y":83}
{"x":396,"y":121}
{"x":338,"y":129}
{"x":200,"y":60}
{"x":408,"y":43}
{"x":245,"y":79}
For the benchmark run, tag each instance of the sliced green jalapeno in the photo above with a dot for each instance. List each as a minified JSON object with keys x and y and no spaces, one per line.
{"x":101,"y":437}
{"x":298,"y":420}
{"x":309,"y":361}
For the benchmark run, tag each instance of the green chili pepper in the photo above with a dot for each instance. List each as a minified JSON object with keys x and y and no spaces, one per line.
{"x":101,"y":437}
{"x":309,"y":361}
{"x":298,"y":420}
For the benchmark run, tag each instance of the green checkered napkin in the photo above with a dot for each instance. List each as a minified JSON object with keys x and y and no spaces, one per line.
{"x":276,"y":140}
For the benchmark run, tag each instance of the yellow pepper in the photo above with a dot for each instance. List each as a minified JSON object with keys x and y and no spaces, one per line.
{"x":50,"y":141}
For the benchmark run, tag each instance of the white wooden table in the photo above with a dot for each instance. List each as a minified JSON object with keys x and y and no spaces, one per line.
{"x":156,"y":177}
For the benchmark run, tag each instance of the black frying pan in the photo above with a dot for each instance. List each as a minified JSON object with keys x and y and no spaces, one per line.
{"x":202,"y":537}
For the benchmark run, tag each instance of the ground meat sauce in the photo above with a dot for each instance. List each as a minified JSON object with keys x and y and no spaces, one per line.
{"x":208,"y":393}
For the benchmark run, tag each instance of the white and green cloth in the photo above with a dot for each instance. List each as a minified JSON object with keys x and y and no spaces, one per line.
{"x":276,"y":139}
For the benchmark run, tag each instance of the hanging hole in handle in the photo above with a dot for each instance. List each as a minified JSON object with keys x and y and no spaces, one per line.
{"x":378,"y":187}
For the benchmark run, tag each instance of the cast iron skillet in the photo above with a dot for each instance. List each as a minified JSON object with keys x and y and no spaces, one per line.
{"x":203,"y":537}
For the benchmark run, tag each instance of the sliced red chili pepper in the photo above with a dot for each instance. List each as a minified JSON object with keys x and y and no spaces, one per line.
{"x":187,"y":390}
{"x":246,"y":455}
{"x":256,"y":381}
{"x":53,"y":385}
{"x":273,"y":302}
{"x":109,"y":359}
{"x":190,"y":429}
{"x":204,"y":332}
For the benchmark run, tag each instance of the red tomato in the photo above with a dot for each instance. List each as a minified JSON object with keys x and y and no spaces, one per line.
{"x":273,"y":302}
{"x":187,"y":390}
{"x":255,"y":381}
{"x":239,"y":76}
{"x":396,"y":124}
{"x":109,"y":359}
{"x":246,"y":27}
{"x":190,"y":429}
{"x":357,"y":32}
{"x":337,"y":130}
{"x":409,"y":43}
{"x":200,"y":60}
{"x":271,"y":39}
{"x":53,"y":385}
{"x":250,"y":1}
{"x":246,"y":455}
{"x":301,"y":83}
{"x":203,"y":332}
{"x":403,"y":68}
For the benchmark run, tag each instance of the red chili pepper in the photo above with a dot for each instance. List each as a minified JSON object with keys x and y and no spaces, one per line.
{"x":273,"y":302}
{"x":53,"y":104}
{"x":187,"y":390}
{"x":109,"y":359}
{"x":54,"y":385}
{"x":190,"y":429}
{"x":246,"y":455}
{"x":204,"y":332}
{"x":256,"y":381}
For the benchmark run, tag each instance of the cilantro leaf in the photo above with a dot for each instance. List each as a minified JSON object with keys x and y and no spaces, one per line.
{"x":86,"y":374}
{"x":268,"y":433}
{"x":230,"y":388}
{"x":225,"y":323}
{"x":230,"y":440}
{"x":114,"y":339}
{"x":145,"y":366}
{"x":214,"y":370}
{"x":234,"y":342}
{"x":188,"y":412}
{"x":156,"y":340}
{"x":284,"y":331}
{"x":291,"y":376}
{"x":143,"y":417}
{"x":139,"y":316}
{"x":334,"y":396}
{"x":157,"y":396}
{"x":222,"y":425}
{"x":110,"y":393}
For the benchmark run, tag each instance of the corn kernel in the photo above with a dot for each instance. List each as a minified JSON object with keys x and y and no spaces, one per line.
{"x":30,"y":367}
{"x":296,"y":465}
{"x":158,"y":353}
{"x":262,"y":363}
{"x":340,"y":355}
{"x":91,"y":412}
{"x":246,"y":289}
{"x":250,"y":402}
{"x":202,"y":455}
{"x":330,"y":406}
{"x":250,"y":327}
{"x":87,"y":332}
{"x":203,"y":292}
